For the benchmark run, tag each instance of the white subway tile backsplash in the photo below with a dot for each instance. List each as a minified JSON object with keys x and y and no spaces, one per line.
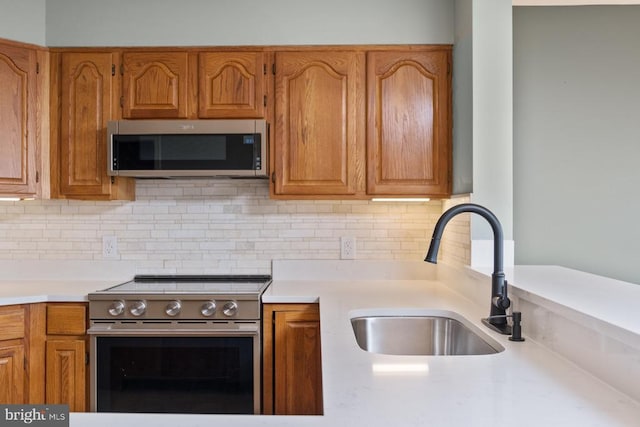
{"x":215,"y":227}
{"x":24,"y":233}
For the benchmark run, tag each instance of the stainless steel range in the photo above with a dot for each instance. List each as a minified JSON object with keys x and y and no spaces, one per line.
{"x":183,"y":344}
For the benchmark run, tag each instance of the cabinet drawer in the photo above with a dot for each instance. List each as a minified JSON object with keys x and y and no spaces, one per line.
{"x":12,"y":322}
{"x":66,"y":319}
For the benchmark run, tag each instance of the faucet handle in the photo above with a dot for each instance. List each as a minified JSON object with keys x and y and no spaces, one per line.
{"x":501,"y":302}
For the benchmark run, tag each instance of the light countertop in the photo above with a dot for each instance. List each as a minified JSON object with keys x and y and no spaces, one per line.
{"x":34,"y":291}
{"x":613,"y":301}
{"x":526,"y":384}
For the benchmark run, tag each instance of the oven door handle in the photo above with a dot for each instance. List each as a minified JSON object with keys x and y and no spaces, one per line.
{"x":152,"y":331}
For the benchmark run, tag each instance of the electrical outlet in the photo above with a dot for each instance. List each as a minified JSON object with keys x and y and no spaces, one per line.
{"x":110,"y":247}
{"x":347,"y":248}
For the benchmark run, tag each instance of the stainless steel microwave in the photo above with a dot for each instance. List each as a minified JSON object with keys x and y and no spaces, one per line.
{"x":187,"y":148}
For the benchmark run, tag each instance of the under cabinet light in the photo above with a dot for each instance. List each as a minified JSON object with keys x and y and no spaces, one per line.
{"x":401,"y":199}
{"x":14,"y":199}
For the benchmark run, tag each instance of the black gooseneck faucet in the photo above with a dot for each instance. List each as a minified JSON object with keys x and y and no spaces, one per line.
{"x":497,"y":319}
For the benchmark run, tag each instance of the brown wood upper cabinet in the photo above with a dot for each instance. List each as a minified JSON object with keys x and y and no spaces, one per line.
{"x":318,"y":122}
{"x":408,"y":123}
{"x":232,"y":85}
{"x":18,"y":143}
{"x":85,"y":89}
{"x":189,"y":84}
{"x":357,"y":124}
{"x":158,"y":85}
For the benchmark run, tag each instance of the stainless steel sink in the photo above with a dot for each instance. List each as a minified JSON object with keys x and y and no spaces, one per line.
{"x":419,"y":335}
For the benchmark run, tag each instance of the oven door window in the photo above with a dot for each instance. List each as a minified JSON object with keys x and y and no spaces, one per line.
{"x":206,"y":375}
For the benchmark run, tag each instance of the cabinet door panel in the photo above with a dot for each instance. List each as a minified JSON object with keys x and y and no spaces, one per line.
{"x":86,"y":106}
{"x":232,"y":85}
{"x":11,"y":374}
{"x":12,"y":320}
{"x":155,"y":85}
{"x":318,"y":110}
{"x":65,"y":378}
{"x":17,"y":121}
{"x":297,"y":364}
{"x":66,"y":319}
{"x":408,"y":139}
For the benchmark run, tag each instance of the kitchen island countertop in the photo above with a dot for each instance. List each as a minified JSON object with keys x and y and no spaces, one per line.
{"x":526,"y":384}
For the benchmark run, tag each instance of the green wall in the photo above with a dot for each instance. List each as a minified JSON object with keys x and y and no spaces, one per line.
{"x":577,"y":138}
{"x":247,"y":22}
{"x":23,"y":20}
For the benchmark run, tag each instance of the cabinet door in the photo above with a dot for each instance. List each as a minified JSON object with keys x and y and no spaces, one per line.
{"x":156,"y":85}
{"x":11,"y":373}
{"x":297,"y":364}
{"x":18,"y":87}
{"x":409,"y":126}
{"x":232,"y":85}
{"x":86,"y":104}
{"x":319,"y":111}
{"x":65,"y":373}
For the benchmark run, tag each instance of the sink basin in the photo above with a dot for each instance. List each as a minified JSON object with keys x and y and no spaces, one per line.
{"x":433,"y":335}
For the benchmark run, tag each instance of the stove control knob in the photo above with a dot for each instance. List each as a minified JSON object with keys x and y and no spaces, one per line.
{"x":230,"y":309}
{"x":208,"y":308}
{"x":173,"y":308}
{"x":138,"y":308}
{"x":116,"y":308}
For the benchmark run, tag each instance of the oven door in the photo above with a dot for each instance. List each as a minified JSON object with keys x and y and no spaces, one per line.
{"x":160,"y":369}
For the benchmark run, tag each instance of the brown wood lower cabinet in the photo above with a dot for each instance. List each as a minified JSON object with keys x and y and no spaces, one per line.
{"x":66,"y":357}
{"x":65,"y":382}
{"x":12,"y":372}
{"x":12,"y":354}
{"x":292,"y":377}
{"x":43,"y":354}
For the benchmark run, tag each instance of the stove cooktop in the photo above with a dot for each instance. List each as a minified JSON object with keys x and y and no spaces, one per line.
{"x":193,"y":284}
{"x":180,"y":298}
